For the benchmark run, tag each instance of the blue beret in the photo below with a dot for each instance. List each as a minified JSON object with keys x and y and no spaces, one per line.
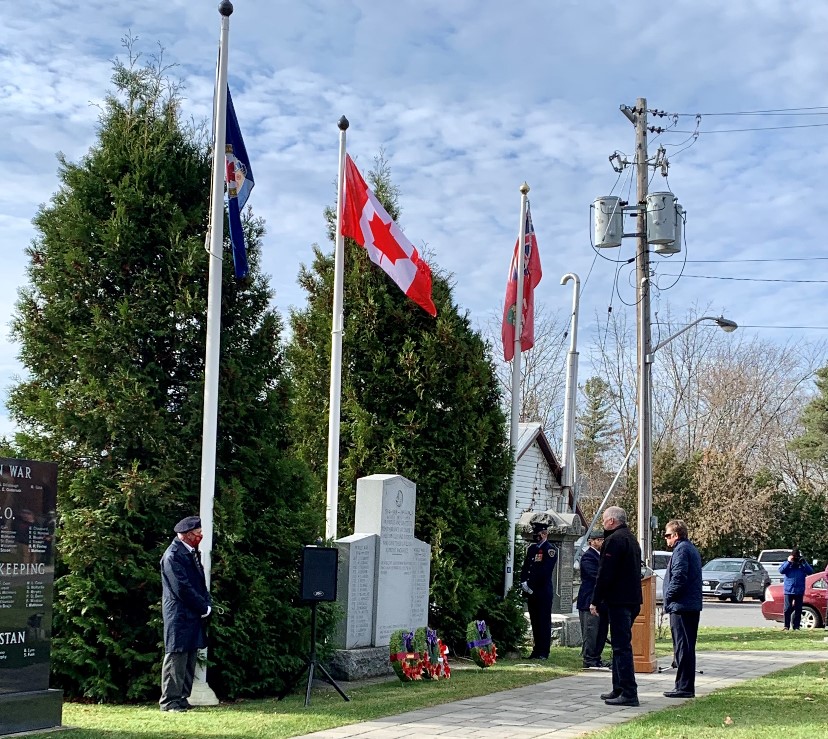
{"x":187,"y":524}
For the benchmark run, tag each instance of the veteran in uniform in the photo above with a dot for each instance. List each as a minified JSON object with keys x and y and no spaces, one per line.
{"x":536,"y":582}
{"x":185,"y":606}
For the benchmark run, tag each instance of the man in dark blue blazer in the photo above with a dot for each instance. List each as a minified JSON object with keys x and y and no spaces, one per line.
{"x":185,"y":605}
{"x":683,"y":601}
{"x":536,"y":582}
{"x":594,"y":629}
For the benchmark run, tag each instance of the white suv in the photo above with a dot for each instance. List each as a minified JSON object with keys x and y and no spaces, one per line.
{"x":770,"y":559}
{"x":660,"y":562}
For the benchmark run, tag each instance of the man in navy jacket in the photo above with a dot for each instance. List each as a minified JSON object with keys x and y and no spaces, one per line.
{"x":185,"y":605}
{"x":795,"y":570}
{"x":594,"y":629}
{"x":683,"y":602}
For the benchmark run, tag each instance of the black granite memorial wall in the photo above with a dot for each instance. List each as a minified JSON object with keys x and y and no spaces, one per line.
{"x":28,"y":505}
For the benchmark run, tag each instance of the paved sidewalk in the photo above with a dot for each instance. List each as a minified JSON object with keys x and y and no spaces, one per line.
{"x":567,"y":707}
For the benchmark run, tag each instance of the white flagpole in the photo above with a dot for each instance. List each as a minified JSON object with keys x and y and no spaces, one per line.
{"x":568,"y":445}
{"x":515,"y":416}
{"x":332,"y":499}
{"x":202,"y":693}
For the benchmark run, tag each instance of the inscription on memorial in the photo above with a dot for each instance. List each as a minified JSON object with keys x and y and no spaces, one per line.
{"x":386,"y":506}
{"x":28,"y":492}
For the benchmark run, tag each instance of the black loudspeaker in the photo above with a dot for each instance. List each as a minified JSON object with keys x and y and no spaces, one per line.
{"x":319,"y":573}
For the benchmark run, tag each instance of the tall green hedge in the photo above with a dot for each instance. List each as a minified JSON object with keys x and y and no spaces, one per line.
{"x":112,"y":330}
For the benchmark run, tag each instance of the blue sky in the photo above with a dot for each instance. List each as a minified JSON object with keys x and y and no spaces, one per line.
{"x":468,"y":100}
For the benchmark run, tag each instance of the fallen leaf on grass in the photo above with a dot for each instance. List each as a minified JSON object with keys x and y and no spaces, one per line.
{"x":808,"y":698}
{"x":728,"y":721}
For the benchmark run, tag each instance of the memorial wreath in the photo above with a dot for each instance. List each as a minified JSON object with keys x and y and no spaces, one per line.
{"x":436,"y":664}
{"x":479,"y":640}
{"x":407,"y":654}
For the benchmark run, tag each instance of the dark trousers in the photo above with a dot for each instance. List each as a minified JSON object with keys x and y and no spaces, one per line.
{"x":685,"y":628}
{"x":177,"y":674}
{"x":594,"y":631}
{"x":540,"y":616}
{"x":793,"y":606}
{"x":621,"y":619}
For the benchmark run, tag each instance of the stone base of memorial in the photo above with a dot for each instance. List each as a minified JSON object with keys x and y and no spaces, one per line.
{"x":34,"y":711}
{"x":359,"y":664}
{"x":567,"y":629}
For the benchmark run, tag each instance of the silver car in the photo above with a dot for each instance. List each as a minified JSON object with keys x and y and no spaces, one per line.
{"x":734,"y":578}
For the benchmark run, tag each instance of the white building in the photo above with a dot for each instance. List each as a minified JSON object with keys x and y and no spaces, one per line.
{"x":538,"y":474}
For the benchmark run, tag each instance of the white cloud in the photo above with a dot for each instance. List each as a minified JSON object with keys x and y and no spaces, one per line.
{"x":468,"y":100}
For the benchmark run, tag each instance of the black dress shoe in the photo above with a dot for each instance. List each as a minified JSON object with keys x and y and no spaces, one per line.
{"x":678,"y":694}
{"x":611,"y":694}
{"x":622,"y":700}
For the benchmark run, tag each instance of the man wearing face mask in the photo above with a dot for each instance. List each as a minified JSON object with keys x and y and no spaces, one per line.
{"x":185,"y":605}
{"x":536,"y":582}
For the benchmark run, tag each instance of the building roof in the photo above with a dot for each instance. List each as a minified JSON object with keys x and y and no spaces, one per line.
{"x":529,"y":433}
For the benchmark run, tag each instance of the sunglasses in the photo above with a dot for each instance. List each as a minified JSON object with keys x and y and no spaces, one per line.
{"x":669,"y":536}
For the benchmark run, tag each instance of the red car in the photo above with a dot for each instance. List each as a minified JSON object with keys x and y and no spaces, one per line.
{"x":814,"y":603}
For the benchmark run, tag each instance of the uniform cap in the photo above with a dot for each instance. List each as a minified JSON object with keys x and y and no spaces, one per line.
{"x":187,"y":524}
{"x":596,"y":534}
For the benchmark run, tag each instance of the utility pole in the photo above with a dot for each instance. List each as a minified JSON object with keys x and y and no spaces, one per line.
{"x":638,"y":117}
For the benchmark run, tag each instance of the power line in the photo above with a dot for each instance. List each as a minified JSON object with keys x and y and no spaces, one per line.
{"x":776,"y":259}
{"x":802,"y":328}
{"x":773,"y":111}
{"x":739,"y":130}
{"x":741,"y":279}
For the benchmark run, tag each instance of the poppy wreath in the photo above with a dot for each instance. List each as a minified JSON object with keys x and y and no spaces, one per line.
{"x":479,"y":641}
{"x":435,"y":656}
{"x":407,"y":654}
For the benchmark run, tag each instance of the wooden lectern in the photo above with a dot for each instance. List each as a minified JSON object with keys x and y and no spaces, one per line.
{"x":643,"y":630}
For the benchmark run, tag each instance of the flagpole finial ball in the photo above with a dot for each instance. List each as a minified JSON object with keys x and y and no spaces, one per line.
{"x":524,"y":189}
{"x":226,"y":8}
{"x":343,"y":124}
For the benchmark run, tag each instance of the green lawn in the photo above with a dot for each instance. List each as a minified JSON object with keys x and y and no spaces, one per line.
{"x":269,"y":718}
{"x":791,"y":704}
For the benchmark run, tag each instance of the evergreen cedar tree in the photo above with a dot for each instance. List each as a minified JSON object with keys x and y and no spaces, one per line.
{"x":419,"y":399}
{"x":112,"y":330}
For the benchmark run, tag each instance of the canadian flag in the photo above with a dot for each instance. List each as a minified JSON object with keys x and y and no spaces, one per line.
{"x":367,"y":222}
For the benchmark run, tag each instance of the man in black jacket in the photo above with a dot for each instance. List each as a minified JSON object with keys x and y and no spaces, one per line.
{"x":619,"y":589}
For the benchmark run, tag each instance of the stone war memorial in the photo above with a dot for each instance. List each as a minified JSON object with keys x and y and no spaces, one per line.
{"x":28,"y":504}
{"x":383,"y":577}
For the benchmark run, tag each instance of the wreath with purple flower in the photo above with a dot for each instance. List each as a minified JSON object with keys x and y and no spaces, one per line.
{"x":435,"y":657}
{"x":479,"y":641}
{"x":407,"y":648}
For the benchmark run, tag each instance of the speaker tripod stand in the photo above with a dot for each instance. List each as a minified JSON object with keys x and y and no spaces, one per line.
{"x":311,"y":665}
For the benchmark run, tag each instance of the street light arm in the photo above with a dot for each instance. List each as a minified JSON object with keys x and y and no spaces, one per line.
{"x":724,"y":323}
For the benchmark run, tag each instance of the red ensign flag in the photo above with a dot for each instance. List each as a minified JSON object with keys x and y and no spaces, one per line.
{"x":531,"y":277}
{"x":367,"y":222}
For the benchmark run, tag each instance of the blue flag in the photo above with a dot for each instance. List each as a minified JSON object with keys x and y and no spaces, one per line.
{"x":239,"y":177}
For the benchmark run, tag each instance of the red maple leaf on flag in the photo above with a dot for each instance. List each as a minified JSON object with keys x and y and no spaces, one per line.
{"x":368,"y":223}
{"x":385,"y":241}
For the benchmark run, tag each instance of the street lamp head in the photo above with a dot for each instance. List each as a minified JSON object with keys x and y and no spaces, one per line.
{"x":726,"y":325}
